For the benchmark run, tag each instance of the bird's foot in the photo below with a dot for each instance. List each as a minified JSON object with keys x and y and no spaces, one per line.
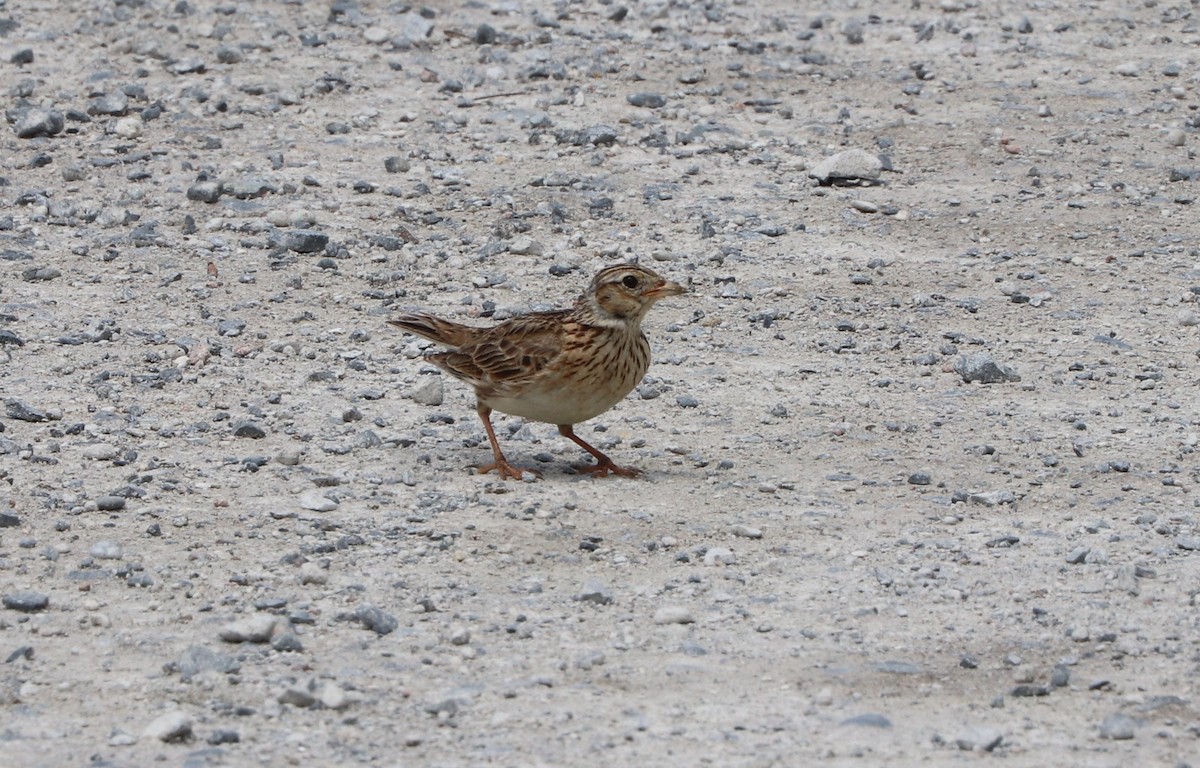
{"x":605,"y":468}
{"x":508,"y":471}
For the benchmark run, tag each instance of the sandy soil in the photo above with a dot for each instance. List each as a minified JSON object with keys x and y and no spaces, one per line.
{"x":240,"y":521}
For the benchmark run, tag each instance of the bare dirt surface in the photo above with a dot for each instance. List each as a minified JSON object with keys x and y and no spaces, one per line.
{"x":240,"y":525}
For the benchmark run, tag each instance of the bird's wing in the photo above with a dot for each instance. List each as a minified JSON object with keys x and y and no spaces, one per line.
{"x":502,"y":359}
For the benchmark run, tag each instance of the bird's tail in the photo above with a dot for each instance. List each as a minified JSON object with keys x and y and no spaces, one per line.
{"x":434,"y":328}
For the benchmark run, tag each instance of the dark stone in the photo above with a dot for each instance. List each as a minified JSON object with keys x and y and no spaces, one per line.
{"x":26,"y":602}
{"x":374,"y":619}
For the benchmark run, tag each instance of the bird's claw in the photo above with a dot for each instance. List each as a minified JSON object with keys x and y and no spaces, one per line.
{"x":508,"y":471}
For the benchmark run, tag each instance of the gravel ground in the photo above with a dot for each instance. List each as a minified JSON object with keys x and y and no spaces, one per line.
{"x":919,"y":446}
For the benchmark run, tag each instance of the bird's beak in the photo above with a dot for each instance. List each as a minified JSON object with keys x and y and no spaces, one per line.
{"x":669,"y":288}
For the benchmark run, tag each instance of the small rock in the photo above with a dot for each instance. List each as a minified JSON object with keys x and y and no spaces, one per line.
{"x":297,"y":696}
{"x":1078,"y":555}
{"x":1191,"y":543}
{"x":249,"y":429}
{"x":719,"y":556}
{"x":850,"y":167}
{"x":110,"y":503}
{"x":223,"y":736}
{"x":1119,"y":727}
{"x":992,"y":498}
{"x":287,"y":642}
{"x":315,"y":501}
{"x":204,"y":192}
{"x":100,"y":451}
{"x":333,"y":696}
{"x":920,"y":478}
{"x":647,"y":100}
{"x":745,"y":531}
{"x":413,"y":29}
{"x":305,"y":241}
{"x":982,"y":368}
{"x":22,"y":412}
{"x":40,"y":122}
{"x":197,"y":659}
{"x":26,"y":602}
{"x":980,"y":738}
{"x":595,"y":592}
{"x":431,"y":391}
{"x":523,"y":245}
{"x":674,"y":614}
{"x":376,"y":620}
{"x":251,"y":629}
{"x":106,"y":549}
{"x":170,"y":728}
{"x":869,"y":720}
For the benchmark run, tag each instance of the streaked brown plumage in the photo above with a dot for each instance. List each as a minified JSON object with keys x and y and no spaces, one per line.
{"x":560,"y":367}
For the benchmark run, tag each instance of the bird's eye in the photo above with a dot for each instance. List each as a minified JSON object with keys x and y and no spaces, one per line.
{"x":630,"y":281}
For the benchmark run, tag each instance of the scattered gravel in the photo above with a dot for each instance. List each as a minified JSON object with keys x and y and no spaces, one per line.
{"x":919,"y":445}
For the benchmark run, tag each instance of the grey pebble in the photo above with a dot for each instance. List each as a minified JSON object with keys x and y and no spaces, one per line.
{"x":100,"y":451}
{"x":1119,"y":727}
{"x":1078,"y":555}
{"x":413,"y":28}
{"x":204,"y":192}
{"x":110,"y":503}
{"x":251,"y":629}
{"x":197,"y":659}
{"x":169,"y":727}
{"x":229,"y":54}
{"x":687,"y":401}
{"x":745,"y":531}
{"x":719,"y":556}
{"x":978,"y":738}
{"x":1060,"y":677}
{"x":920,"y":478}
{"x":22,"y":412}
{"x":485,"y":34}
{"x":431,"y":391}
{"x":26,"y":602}
{"x":9,"y":520}
{"x":40,"y":274}
{"x":674,"y":614}
{"x":115,"y":104}
{"x":647,"y":100}
{"x":287,"y":642}
{"x":230,"y":328}
{"x":248,"y":188}
{"x":982,"y":368}
{"x":594,"y":591}
{"x":305,"y":241}
{"x":868,"y":720}
{"x":899,"y":667}
{"x":249,"y":429}
{"x":106,"y":549}
{"x":315,"y":501}
{"x":376,"y":620}
{"x":992,"y":498}
{"x":1026,"y":690}
{"x":297,"y":696}
{"x":40,"y":122}
{"x":223,"y":736}
{"x":849,"y":167}
{"x":1191,"y":543}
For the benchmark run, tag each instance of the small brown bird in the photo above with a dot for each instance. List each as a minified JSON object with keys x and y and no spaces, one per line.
{"x":560,"y":367}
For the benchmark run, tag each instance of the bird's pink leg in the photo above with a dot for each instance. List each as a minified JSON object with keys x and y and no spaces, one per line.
{"x":501,"y":465}
{"x":604,"y":465}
